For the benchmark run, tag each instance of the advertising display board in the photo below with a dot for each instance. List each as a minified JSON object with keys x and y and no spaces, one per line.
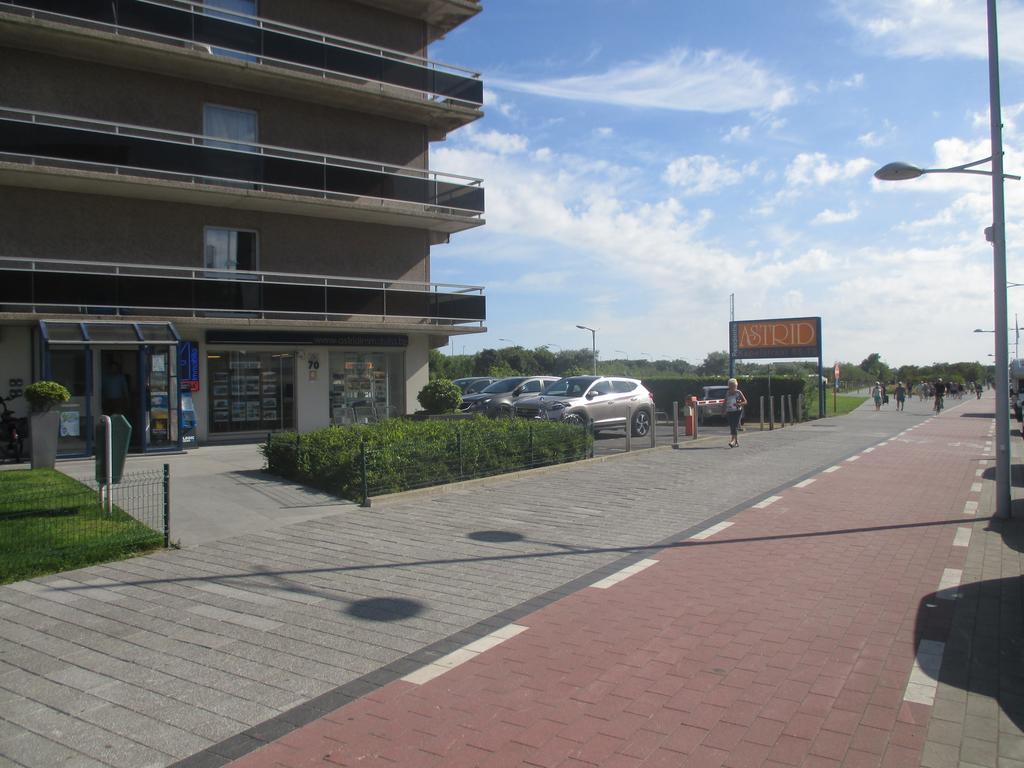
{"x":774,"y":338}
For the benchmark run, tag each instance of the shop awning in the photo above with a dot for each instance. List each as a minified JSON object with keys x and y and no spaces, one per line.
{"x":107,"y":333}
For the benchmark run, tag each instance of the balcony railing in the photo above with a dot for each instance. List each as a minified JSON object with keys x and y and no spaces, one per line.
{"x":102,"y":288}
{"x":220,"y":31}
{"x":118,"y":148}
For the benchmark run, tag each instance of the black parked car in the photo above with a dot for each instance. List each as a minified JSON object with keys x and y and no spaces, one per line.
{"x":499,"y":398}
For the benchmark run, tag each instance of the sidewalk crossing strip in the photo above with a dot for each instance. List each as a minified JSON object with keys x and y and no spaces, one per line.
{"x":625,"y":573}
{"x":869,"y":449}
{"x":853,"y":458}
{"x":766,"y":502}
{"x":979,"y":472}
{"x":462,"y":655}
{"x":924,"y":675}
{"x":804,"y":483}
{"x":975,"y":487}
{"x":833,"y":468}
{"x":949,"y":584}
{"x":970,"y":507}
{"x":962,"y":538}
{"x":709,"y":532}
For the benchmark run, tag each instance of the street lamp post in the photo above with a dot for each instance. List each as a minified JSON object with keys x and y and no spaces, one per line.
{"x":509,"y":341}
{"x":902,"y":171}
{"x":593,"y":342}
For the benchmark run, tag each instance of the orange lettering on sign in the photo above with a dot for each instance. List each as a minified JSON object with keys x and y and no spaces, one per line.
{"x":777,"y":334}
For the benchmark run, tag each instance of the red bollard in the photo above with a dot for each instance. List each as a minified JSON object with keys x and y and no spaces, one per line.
{"x":691,"y":416}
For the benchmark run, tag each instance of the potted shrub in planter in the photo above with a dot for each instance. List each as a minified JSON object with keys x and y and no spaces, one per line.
{"x":440,"y":398}
{"x":41,"y":396}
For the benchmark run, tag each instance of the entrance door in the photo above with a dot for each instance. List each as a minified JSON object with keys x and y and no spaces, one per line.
{"x":119,"y":389}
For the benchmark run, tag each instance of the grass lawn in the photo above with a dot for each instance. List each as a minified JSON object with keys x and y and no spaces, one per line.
{"x":51,"y":523}
{"x":844,"y":404}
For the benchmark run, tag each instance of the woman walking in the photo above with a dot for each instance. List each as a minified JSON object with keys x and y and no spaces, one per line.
{"x":876,"y":395}
{"x":734,"y":402}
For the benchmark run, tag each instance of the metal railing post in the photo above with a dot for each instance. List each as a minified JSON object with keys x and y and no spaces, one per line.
{"x":760,"y":413}
{"x":771,"y":412}
{"x":782,"y":411}
{"x":675,"y":424}
{"x":654,"y":427}
{"x":366,"y":484}
{"x":458,"y":447}
{"x":531,"y":444}
{"x":167,"y":506}
{"x":792,"y":417}
{"x":629,"y":432}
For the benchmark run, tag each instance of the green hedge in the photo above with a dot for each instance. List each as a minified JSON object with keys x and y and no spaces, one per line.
{"x":403,"y":454}
{"x":679,"y":388}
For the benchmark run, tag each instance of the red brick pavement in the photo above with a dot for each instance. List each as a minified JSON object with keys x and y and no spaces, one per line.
{"x":785,"y":640}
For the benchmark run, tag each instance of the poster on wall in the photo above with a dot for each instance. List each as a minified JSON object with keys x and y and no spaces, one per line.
{"x":69,"y":424}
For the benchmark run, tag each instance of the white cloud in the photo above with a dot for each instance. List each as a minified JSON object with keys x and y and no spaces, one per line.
{"x":738,"y":133}
{"x":604,"y":132}
{"x":854,"y":81}
{"x":828,"y":216}
{"x":703,"y":174}
{"x":496,"y":141}
{"x":493,"y":101}
{"x":815,"y":169}
{"x":935,"y":28}
{"x":682,"y":80}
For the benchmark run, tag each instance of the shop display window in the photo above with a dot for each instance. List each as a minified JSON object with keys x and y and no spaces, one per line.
{"x":363,"y":387}
{"x":251,"y":391}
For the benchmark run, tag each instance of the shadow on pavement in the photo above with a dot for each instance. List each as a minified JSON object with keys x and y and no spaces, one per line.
{"x":982,"y":628}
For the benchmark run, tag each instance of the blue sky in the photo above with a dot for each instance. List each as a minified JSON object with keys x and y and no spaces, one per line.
{"x":644,"y":159}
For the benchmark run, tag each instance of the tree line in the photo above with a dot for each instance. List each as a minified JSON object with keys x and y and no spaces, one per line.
{"x":542,"y":361}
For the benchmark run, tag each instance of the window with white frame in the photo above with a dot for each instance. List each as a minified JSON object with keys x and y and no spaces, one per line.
{"x":230,"y":249}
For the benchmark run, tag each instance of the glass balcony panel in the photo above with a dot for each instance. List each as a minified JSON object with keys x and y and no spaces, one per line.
{"x":352,"y":181}
{"x":100,"y":10}
{"x":409,"y":303}
{"x":83,"y":290}
{"x":227,"y":295}
{"x":157,"y":292}
{"x":458,"y":306}
{"x":407,"y":188}
{"x":459,"y":196}
{"x":294,"y":49}
{"x":354,"y":63}
{"x":291,"y":173}
{"x":410,"y":76}
{"x":159,"y":19}
{"x":226,"y":34}
{"x":283,"y":297}
{"x":15,"y":286}
{"x":355,"y":301}
{"x":101,"y":332}
{"x":455,"y":87}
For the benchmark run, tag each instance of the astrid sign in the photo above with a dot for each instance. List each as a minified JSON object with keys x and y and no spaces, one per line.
{"x":785,"y":337}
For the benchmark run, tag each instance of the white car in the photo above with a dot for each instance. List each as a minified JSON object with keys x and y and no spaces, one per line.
{"x":602,"y":401}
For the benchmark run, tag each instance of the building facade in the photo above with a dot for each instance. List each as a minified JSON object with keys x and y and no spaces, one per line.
{"x":217,"y":217}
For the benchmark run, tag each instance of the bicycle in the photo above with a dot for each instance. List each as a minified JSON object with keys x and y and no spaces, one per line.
{"x":13,"y":431}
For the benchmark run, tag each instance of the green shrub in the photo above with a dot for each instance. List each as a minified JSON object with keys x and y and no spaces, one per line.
{"x":403,"y":454}
{"x":43,"y":395}
{"x":440,"y":396}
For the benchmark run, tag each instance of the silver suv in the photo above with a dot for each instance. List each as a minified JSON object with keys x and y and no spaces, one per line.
{"x":603,"y":401}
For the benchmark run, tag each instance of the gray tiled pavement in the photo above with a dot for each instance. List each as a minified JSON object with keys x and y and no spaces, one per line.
{"x":152,"y":660}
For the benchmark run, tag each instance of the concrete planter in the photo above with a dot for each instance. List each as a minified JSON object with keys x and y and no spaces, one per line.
{"x":43,"y":434}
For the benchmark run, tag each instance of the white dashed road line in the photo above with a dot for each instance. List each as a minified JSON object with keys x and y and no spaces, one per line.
{"x":624,"y":574}
{"x":464,"y":654}
{"x":709,"y":532}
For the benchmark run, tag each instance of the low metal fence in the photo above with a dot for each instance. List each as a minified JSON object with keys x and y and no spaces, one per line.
{"x":67,"y":524}
{"x":415,"y":463}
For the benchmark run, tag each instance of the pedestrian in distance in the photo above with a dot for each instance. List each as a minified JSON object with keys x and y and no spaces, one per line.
{"x":901,"y":395}
{"x":940,"y":395}
{"x":876,"y":395}
{"x":734,"y":402}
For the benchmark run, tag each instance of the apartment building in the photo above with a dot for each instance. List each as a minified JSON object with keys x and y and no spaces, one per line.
{"x":217,"y":217}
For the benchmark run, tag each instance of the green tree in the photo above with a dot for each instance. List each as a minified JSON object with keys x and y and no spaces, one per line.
{"x":715,"y":364}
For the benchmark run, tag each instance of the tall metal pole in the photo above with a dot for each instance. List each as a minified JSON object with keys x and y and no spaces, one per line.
{"x":732,"y":317}
{"x":593,"y":346}
{"x":1003,"y":500}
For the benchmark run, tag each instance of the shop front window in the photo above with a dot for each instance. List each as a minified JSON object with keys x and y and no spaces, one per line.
{"x":363,"y":387}
{"x":251,"y":391}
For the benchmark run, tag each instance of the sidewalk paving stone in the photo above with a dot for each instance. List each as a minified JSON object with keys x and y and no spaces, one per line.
{"x":785,"y":627}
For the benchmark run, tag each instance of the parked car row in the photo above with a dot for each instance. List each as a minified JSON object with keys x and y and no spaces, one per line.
{"x":604,"y":402}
